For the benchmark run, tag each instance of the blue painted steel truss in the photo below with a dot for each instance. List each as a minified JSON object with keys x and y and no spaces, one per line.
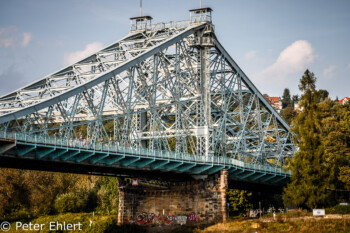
{"x":177,"y":102}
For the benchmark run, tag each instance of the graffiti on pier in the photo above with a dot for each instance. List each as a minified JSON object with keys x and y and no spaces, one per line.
{"x":192,"y":217}
{"x":149,"y":219}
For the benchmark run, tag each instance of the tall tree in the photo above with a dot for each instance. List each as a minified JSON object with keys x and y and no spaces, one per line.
{"x":336,"y":140}
{"x":309,"y":184}
{"x":286,"y":99}
{"x":289,"y":114}
{"x":240,"y":201}
{"x":107,"y":194}
{"x":323,"y":94}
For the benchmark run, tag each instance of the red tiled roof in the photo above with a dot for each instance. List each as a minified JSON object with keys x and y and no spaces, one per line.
{"x":345,"y":98}
{"x":274,"y":99}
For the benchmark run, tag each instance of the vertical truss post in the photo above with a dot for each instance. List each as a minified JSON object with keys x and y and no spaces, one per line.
{"x":203,"y":112}
{"x":181,"y":141}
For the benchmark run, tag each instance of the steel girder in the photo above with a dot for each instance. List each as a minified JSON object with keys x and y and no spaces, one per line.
{"x":119,"y":158}
{"x":170,"y":87}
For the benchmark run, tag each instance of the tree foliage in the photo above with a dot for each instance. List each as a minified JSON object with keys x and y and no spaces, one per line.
{"x":323,"y":133}
{"x":240,"y":201}
{"x":69,"y":202}
{"x":289,"y":114}
{"x":336,"y":139}
{"x":309,"y":170}
{"x":323,"y":94}
{"x":344,"y":176}
{"x":107,"y":195}
{"x":35,"y":193}
{"x":286,"y":98}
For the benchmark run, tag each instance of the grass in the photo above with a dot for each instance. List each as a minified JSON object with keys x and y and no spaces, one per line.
{"x":283,"y":223}
{"x":303,"y":225}
{"x":291,"y":214}
{"x":100,"y":223}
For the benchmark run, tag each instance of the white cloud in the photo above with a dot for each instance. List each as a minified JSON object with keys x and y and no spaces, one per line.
{"x":78,"y":55}
{"x":27,"y":37}
{"x":6,"y":37}
{"x":329,"y":72}
{"x":11,"y":37}
{"x":250,"y":55}
{"x":292,"y":60}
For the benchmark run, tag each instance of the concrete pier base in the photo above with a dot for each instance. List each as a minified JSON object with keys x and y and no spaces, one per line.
{"x":201,"y":200}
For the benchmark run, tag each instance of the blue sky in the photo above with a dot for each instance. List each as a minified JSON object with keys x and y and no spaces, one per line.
{"x":273,"y":41}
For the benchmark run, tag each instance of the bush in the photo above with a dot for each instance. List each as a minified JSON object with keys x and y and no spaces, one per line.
{"x":338,"y":209}
{"x":69,"y":202}
{"x":107,"y":195}
{"x":17,"y":214}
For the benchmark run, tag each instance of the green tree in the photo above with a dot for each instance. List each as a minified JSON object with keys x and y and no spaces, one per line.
{"x":43,"y":187}
{"x":286,"y":99}
{"x":240,"y":201}
{"x":69,"y":202}
{"x":289,"y":114}
{"x":107,"y":195}
{"x":34,"y":193}
{"x":310,"y":173}
{"x":12,"y":188}
{"x":323,"y":94}
{"x":336,"y":139}
{"x":344,"y":176}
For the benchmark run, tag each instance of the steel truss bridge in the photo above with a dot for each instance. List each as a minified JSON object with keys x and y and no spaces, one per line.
{"x":177,"y":102}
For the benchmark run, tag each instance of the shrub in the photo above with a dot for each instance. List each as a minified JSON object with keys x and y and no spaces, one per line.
{"x":16,"y":214}
{"x":338,"y":209}
{"x":69,"y":202}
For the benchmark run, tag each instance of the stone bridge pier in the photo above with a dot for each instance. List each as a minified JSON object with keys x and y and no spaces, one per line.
{"x":204,"y":200}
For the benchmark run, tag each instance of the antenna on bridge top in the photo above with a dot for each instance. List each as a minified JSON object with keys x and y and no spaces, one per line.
{"x":140,"y":7}
{"x":200,"y":3}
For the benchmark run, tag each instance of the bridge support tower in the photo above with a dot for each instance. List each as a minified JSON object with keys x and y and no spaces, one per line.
{"x":204,"y":200}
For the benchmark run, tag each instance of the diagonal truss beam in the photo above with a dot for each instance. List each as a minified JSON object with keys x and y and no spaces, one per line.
{"x":80,"y":88}
{"x":249,"y":84}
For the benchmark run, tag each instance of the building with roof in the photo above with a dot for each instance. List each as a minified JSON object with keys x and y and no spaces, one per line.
{"x":276,"y":103}
{"x":344,"y":100}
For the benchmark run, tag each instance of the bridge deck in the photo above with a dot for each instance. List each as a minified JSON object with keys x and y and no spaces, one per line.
{"x":111,"y":154}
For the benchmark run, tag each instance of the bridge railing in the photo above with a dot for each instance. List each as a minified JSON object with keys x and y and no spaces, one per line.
{"x":161,"y":26}
{"x":172,"y":24}
{"x":113,"y":147}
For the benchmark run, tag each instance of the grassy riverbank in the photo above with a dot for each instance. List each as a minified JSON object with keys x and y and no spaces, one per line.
{"x":82,"y":222}
{"x":108,"y":224}
{"x":300,"y":224}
